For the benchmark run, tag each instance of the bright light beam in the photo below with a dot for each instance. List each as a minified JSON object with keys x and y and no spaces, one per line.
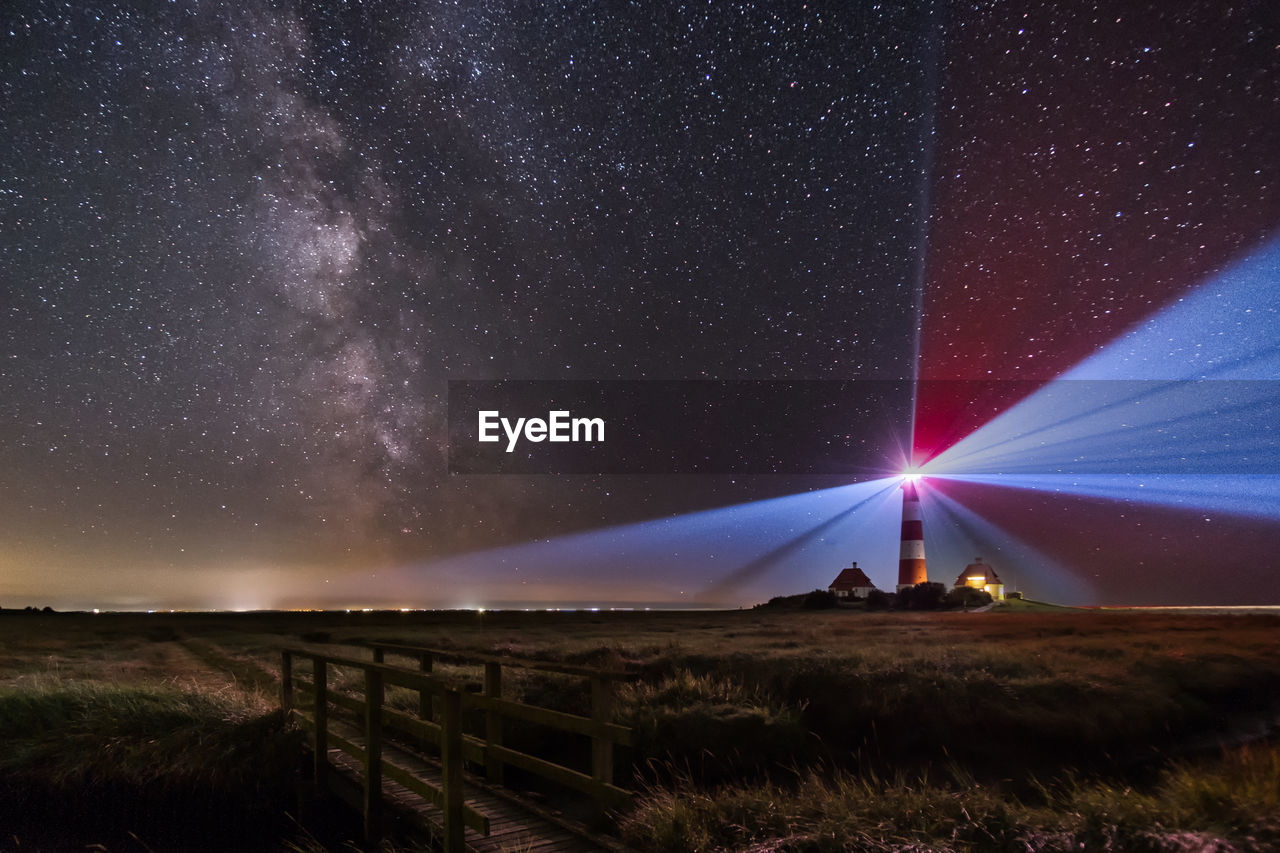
{"x":1172,"y":429}
{"x":959,"y":534}
{"x":810,"y":537}
{"x":1255,"y":496}
{"x":1224,"y":329}
{"x":771,"y":560}
{"x":1081,"y":426}
{"x":1082,"y":438}
{"x":1171,"y":424}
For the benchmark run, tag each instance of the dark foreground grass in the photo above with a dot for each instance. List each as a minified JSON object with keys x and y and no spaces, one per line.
{"x":1231,"y":804}
{"x":999,"y":713}
{"x":1012,"y":731}
{"x":141,"y":767}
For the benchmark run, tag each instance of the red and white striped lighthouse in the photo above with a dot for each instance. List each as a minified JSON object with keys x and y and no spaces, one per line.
{"x":911,"y":570}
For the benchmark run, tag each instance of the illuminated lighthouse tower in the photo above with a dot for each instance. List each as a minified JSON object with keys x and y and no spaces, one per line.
{"x":911,"y":569}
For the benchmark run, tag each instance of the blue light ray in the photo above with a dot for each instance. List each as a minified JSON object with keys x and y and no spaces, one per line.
{"x":1164,"y":422}
{"x":1225,"y":329}
{"x":1072,"y":438}
{"x":778,"y":556}
{"x":810,"y":536}
{"x":1179,"y":421}
{"x":1077,"y":426}
{"x":956,"y":535}
{"x":1247,"y":495}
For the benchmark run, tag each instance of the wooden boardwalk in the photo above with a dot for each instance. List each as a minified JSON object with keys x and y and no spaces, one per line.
{"x":513,"y":828}
{"x":412,"y":767}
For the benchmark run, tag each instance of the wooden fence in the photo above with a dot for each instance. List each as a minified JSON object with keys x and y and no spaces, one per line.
{"x":439,"y":723}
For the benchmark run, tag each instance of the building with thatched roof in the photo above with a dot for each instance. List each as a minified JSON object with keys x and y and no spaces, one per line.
{"x":980,"y":575}
{"x":851,"y":583}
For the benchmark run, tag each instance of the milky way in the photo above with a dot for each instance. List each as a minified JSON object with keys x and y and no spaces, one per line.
{"x":247,"y":244}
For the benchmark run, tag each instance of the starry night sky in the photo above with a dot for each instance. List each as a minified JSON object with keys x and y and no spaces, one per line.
{"x":245,"y":245}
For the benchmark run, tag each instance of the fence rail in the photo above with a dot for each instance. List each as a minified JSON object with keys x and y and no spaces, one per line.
{"x":442,"y":727}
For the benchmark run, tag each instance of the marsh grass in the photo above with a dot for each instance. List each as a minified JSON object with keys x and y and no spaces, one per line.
{"x":103,"y":759}
{"x":1007,"y":698}
{"x":1041,"y":730}
{"x":1229,"y":804}
{"x":712,"y":727}
{"x":63,"y":732}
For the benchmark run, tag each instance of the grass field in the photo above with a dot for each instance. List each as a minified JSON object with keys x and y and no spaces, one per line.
{"x":1023,"y":728}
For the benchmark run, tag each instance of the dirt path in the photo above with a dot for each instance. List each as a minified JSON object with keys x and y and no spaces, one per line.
{"x":250,"y":681}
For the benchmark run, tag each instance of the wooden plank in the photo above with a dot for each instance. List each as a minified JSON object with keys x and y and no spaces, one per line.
{"x":427,"y":784}
{"x":349,"y":747}
{"x":416,"y":680}
{"x":555,"y":719}
{"x":552,"y":832}
{"x":319,"y":698}
{"x":451,"y":772}
{"x":342,"y":700}
{"x":548,"y":845}
{"x":373,"y":756}
{"x":355,"y":706}
{"x":601,"y":747}
{"x":510,"y":660}
{"x":523,"y":840}
{"x":349,"y":703}
{"x":434,"y":795}
{"x":472,"y":747}
{"x":492,"y":722}
{"x":425,"y":664}
{"x":286,"y":681}
{"x":423,"y":730}
{"x":302,"y":696}
{"x":603,"y":791}
{"x":391,"y":674}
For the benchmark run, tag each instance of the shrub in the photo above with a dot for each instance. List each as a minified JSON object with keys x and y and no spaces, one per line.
{"x":966,"y":596}
{"x":820,"y":599}
{"x":922,"y":596}
{"x":880,"y":600}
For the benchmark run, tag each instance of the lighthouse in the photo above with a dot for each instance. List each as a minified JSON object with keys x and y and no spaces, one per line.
{"x":911,"y":570}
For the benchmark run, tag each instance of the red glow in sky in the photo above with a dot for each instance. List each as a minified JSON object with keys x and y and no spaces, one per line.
{"x":1086,"y":176}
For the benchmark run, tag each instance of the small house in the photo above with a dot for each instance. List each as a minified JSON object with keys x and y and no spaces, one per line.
{"x":851,"y":583}
{"x":979,"y":575}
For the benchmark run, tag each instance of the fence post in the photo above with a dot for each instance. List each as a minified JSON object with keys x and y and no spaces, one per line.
{"x":320,"y":681}
{"x":286,"y":683}
{"x":424,"y":695}
{"x":373,"y":755}
{"x":601,"y":744}
{"x":379,"y":655}
{"x":451,"y":770}
{"x":493,"y":722}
